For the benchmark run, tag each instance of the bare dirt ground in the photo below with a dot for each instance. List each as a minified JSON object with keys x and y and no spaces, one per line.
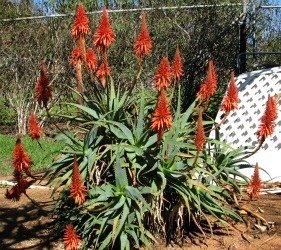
{"x":24,"y":225}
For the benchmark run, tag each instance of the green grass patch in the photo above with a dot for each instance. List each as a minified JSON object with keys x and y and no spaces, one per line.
{"x":41,"y":158}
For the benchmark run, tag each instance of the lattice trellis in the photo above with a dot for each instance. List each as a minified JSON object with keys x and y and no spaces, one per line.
{"x":241,"y":125}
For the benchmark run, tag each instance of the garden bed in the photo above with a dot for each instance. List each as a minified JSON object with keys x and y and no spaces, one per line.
{"x":27,"y":226}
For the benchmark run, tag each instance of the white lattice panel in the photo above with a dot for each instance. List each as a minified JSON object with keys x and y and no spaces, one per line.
{"x":241,"y":125}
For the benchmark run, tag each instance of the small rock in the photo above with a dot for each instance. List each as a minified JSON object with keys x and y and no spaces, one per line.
{"x":232,"y":247}
{"x":261,"y":228}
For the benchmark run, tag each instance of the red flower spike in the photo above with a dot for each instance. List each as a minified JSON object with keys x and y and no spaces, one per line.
{"x":21,"y":160}
{"x":43,"y":90}
{"x":177,"y":66}
{"x":143,"y":44}
{"x":163,"y":76}
{"x":80,"y":26}
{"x":13,"y":194}
{"x":203,"y":93}
{"x":91,"y":59}
{"x":272,"y":108}
{"x":212,"y":77}
{"x":161,"y":118}
{"x":77,"y":189}
{"x":104,"y":35}
{"x":76,"y":56}
{"x":71,"y":239}
{"x":200,"y":134}
{"x":267,"y":125}
{"x":103,"y":72}
{"x":255,"y":184}
{"x":231,"y":100}
{"x":22,"y":184}
{"x":35,"y":130}
{"x":209,"y":85}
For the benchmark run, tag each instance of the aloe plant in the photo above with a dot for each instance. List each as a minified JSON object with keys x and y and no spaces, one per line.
{"x":138,"y":183}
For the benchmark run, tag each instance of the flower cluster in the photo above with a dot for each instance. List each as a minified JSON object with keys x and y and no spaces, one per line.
{"x":71,"y":239}
{"x":231,"y":100}
{"x":143,"y":44}
{"x":209,"y":85}
{"x":77,"y":190}
{"x":255,"y":184}
{"x":267,"y":125}
{"x":35,"y":130}
{"x":80,"y":26}
{"x":21,"y":160}
{"x":161,"y":118}
{"x":21,"y":163}
{"x":200,"y":134}
{"x":163,"y":75}
{"x":103,"y":38}
{"x":177,"y":67}
{"x":43,"y":90}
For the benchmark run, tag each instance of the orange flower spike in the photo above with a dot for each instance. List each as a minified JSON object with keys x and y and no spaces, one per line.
{"x":161,"y":118}
{"x":77,"y":189}
{"x":267,"y":125}
{"x":200,"y":134}
{"x":35,"y":130}
{"x":272,"y":108}
{"x":104,"y":35}
{"x":76,"y":56}
{"x":203,"y":93}
{"x":21,"y":160}
{"x":255,"y":184}
{"x":143,"y":44}
{"x":71,"y":239}
{"x":103,"y":72}
{"x":43,"y":90}
{"x":91,"y":59}
{"x":22,"y":184}
{"x":212,"y":78}
{"x":80,"y":26}
{"x":231,"y":100}
{"x":209,"y":85}
{"x":177,"y":66}
{"x":163,"y":76}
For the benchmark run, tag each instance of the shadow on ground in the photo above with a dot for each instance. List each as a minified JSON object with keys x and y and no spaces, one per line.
{"x":26,"y":225}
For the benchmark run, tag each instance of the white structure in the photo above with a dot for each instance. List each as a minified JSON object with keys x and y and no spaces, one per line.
{"x":241,"y":125}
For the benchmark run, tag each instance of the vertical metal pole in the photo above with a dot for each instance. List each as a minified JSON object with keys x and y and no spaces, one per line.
{"x":243,"y":40}
{"x":254,"y":30}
